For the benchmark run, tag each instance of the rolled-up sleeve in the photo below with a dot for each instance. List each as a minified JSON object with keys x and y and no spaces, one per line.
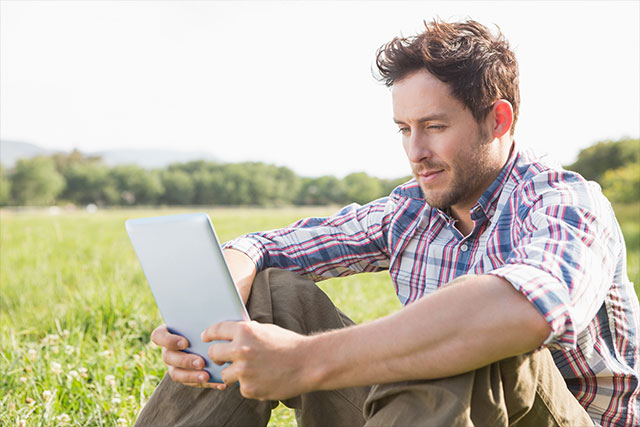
{"x":352,"y":241}
{"x":564,"y":257}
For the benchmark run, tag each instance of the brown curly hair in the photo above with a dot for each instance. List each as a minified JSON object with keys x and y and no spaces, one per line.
{"x":479,"y":67}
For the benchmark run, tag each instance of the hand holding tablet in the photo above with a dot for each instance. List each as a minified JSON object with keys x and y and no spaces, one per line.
{"x":188,"y":276}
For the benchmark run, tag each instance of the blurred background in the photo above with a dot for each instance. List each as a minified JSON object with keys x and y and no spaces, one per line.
{"x":146,"y":102}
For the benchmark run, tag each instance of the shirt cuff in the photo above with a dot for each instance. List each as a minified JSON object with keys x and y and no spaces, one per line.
{"x":546,"y":294}
{"x":250,"y":246}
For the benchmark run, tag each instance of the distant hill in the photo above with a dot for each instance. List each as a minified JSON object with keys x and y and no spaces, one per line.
{"x":12,"y":151}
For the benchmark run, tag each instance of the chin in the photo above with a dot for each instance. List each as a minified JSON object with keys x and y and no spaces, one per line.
{"x":436,"y":202}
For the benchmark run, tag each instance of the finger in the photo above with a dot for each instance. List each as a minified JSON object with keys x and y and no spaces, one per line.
{"x":183,"y":360}
{"x":229,"y":375}
{"x":221,"y":331}
{"x":185,"y":376}
{"x":216,"y":386}
{"x":221,"y":352}
{"x":162,"y":337}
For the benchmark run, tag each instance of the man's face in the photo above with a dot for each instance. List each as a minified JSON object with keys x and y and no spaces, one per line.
{"x":452,"y":156}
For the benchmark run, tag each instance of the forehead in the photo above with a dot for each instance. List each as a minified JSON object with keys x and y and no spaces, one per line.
{"x":420,"y":94}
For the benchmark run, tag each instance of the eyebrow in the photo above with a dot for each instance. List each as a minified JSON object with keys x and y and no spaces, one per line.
{"x":432,"y":117}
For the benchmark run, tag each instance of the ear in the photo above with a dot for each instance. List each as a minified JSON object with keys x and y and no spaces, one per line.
{"x":502,"y":114}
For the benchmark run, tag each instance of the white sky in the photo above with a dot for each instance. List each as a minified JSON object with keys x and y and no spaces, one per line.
{"x":290,"y":82}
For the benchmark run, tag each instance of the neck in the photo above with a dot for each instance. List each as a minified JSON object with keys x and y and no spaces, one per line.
{"x":461,"y":211}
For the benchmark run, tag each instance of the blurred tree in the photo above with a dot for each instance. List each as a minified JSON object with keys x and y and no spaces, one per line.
{"x":324,"y":190}
{"x":36,"y":181}
{"x":594,"y":161}
{"x":388,"y":185}
{"x":622,"y":184}
{"x":89,"y":182}
{"x":5,"y":188}
{"x":361,"y":188}
{"x":63,"y":161}
{"x":136,"y":185}
{"x":179,"y":188}
{"x":268,"y":184}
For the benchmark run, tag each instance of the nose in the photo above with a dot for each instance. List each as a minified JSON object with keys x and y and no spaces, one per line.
{"x":416,"y":147}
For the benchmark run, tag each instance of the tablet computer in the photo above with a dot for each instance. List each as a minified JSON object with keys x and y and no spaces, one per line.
{"x":188,"y":276}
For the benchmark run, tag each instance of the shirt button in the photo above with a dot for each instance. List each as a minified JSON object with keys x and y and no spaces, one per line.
{"x":464,"y":248}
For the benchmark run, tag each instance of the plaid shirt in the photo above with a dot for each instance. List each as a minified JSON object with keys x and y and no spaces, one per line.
{"x":547,"y":231}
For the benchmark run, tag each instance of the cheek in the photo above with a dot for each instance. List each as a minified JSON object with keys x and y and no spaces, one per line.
{"x":405,"y":146}
{"x":447,"y":149}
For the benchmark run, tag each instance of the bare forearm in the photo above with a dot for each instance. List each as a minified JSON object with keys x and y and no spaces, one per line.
{"x":469,"y":324}
{"x":242,"y":269}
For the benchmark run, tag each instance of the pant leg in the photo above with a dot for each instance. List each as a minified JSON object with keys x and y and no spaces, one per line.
{"x":522,"y":391}
{"x":287,"y":300}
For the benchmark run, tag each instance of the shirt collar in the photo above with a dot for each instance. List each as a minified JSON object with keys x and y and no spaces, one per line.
{"x":486,"y":204}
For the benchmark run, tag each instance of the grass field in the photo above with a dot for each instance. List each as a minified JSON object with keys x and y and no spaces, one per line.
{"x":76,"y":312}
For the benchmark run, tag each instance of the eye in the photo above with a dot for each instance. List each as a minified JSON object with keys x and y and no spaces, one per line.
{"x":436,"y":127}
{"x":404,"y":130}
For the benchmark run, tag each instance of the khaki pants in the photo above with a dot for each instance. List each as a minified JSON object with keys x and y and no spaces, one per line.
{"x":521,"y":391}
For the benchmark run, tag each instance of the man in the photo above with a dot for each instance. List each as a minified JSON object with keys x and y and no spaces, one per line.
{"x":518,"y":309}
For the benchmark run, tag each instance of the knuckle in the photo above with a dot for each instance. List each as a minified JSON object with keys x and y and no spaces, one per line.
{"x":248,"y":391}
{"x":172,"y":373}
{"x":243,"y":351}
{"x":246,"y":328}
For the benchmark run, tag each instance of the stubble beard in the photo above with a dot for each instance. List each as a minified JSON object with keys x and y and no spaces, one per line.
{"x":471,"y":172}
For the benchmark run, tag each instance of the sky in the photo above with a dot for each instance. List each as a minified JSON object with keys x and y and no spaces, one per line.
{"x":291,"y":83}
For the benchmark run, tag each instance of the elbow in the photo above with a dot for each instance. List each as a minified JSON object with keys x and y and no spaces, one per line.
{"x":540,"y":329}
{"x":537,"y":328}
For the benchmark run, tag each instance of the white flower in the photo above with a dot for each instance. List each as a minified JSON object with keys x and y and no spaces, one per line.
{"x":63,"y":418}
{"x":56,"y":368}
{"x":116,"y":400}
{"x":65,"y":333}
{"x":69,"y":349}
{"x":55,"y":349}
{"x":22,"y":423}
{"x":29,"y":401}
{"x":51,"y":338}
{"x":73,"y":374}
{"x":83,"y":372}
{"x":132,"y":324}
{"x":110,"y":380}
{"x":23,"y":380}
{"x":131,"y":399}
{"x":106,"y":353}
{"x":32,"y":353}
{"x":46,"y":395}
{"x":122,"y":422}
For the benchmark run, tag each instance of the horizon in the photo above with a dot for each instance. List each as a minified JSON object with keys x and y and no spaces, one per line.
{"x":219,"y":77}
{"x":211,"y":158}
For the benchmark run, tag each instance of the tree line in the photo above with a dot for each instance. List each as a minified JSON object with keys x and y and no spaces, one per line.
{"x":615,"y":165}
{"x":82,"y":180}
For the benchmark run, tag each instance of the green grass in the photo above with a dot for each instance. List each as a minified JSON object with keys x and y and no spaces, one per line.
{"x":76,"y":312}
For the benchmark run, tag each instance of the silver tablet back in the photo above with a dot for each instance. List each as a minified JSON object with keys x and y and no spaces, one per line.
{"x":186,"y":271}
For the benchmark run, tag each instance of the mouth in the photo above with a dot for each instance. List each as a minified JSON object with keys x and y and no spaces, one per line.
{"x":429,"y":176}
